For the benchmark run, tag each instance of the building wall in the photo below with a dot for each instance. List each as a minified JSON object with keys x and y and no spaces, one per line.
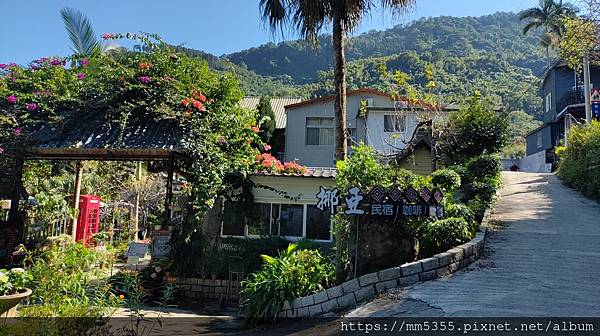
{"x":420,"y":162}
{"x":386,"y":142}
{"x":323,"y":155}
{"x":302,"y":189}
{"x":532,"y":143}
{"x":549,"y":87}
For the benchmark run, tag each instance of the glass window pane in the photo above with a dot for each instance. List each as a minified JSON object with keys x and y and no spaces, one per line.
{"x":318,"y":223}
{"x":275,"y":219}
{"x":388,"y":123}
{"x":313,"y":121}
{"x":327,"y":121}
{"x":312,"y":136}
{"x":233,"y":223}
{"x":259,"y":225}
{"x":326,"y":136}
{"x":291,"y":220}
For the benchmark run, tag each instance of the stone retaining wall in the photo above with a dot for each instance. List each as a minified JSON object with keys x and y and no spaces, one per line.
{"x":364,"y":287}
{"x":195,"y":288}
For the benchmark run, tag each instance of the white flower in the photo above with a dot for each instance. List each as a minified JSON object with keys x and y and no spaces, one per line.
{"x":153,"y":275}
{"x":17,"y":270}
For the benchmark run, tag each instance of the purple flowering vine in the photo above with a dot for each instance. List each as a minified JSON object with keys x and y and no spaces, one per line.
{"x":144,"y":79}
{"x":17,"y":131}
{"x":11,"y":99}
{"x":31,"y":106}
{"x":80,"y":76}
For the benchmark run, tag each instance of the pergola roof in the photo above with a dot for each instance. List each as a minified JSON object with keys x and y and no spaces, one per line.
{"x":142,"y":138}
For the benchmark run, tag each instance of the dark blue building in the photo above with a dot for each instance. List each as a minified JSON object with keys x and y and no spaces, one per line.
{"x":563,"y":104}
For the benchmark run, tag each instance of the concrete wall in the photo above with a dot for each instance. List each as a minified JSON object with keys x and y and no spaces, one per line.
{"x":535,"y":163}
{"x":303,"y":190}
{"x":386,"y":142}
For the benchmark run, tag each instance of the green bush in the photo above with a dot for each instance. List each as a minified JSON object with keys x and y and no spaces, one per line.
{"x":484,"y":168}
{"x":446,"y":179}
{"x":463,"y":211}
{"x":580,"y":160}
{"x":294,"y":273}
{"x":441,"y":235}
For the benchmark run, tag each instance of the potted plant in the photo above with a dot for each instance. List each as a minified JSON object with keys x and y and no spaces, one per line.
{"x":12,"y":290}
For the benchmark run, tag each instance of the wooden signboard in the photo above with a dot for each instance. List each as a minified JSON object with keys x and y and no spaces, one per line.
{"x":160,"y":246}
{"x":138,"y":250}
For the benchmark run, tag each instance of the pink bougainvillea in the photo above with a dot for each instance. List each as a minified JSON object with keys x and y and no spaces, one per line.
{"x":31,"y":106}
{"x":11,"y":99}
{"x":145,"y":79}
{"x":80,"y":76}
{"x":267,"y":162}
{"x":107,"y":36}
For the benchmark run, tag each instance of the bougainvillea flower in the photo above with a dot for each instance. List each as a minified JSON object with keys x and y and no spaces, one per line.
{"x":107,"y":36}
{"x":1,"y":150}
{"x":145,"y":65}
{"x":199,"y":96}
{"x":185,"y":102}
{"x":31,"y":106}
{"x":11,"y":99}
{"x":84,"y":62}
{"x":255,"y":129}
{"x":267,"y":147}
{"x":3,"y":66}
{"x":144,"y":79}
{"x":17,"y":131}
{"x":80,"y":76}
{"x":197,"y":104}
{"x":57,"y":62}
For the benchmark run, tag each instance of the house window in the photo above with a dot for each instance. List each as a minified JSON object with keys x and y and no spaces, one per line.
{"x":548,"y":102}
{"x":394,"y":123}
{"x":319,"y":131}
{"x":291,"y":221}
{"x":294,"y":221}
{"x":318,"y":223}
{"x":539,"y":139}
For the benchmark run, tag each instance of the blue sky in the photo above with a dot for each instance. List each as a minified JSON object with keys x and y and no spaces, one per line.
{"x":31,"y":29}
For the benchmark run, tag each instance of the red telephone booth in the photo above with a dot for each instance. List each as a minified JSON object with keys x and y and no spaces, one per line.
{"x":89,"y":215}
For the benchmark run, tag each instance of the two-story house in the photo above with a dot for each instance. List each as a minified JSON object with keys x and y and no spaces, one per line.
{"x":373,"y":117}
{"x":563,"y":104}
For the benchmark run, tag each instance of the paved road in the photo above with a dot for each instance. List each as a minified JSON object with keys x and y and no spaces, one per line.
{"x":543,"y":259}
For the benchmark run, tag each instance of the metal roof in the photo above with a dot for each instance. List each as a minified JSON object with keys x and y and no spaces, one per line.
{"x":315,"y":172}
{"x":277,"y":105}
{"x":139,"y":133}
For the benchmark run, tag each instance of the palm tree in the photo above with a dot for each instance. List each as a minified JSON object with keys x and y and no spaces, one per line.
{"x":81,"y":33}
{"x":309,"y":17}
{"x":548,"y":16}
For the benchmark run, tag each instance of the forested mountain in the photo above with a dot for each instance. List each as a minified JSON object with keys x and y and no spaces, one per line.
{"x":488,"y":53}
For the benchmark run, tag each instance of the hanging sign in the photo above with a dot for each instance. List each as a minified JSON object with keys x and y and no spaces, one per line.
{"x":384,"y":203}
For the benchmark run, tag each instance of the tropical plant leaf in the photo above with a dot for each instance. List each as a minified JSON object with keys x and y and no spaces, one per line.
{"x":81,"y":33}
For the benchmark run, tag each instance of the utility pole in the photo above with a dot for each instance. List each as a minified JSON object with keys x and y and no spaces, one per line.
{"x":136,"y":209}
{"x":586,"y":89}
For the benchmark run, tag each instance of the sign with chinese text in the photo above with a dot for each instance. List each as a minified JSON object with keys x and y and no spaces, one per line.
{"x":384,"y":203}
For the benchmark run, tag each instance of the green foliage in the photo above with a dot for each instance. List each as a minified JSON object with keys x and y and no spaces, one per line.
{"x":579,"y":40}
{"x":483,"y":168}
{"x":13,"y":281}
{"x":475,"y":130}
{"x":63,"y":282}
{"x":266,"y":118}
{"x":443,"y":234}
{"x":580,"y":161}
{"x":294,"y":273}
{"x":446,"y":179}
{"x":359,"y":170}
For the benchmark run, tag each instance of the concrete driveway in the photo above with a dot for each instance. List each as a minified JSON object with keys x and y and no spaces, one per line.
{"x":542,"y":259}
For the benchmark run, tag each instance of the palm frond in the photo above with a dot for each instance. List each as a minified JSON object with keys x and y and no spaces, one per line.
{"x":80,"y":32}
{"x":531,"y":25}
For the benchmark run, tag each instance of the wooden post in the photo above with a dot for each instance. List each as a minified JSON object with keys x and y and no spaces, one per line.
{"x":15,"y":219}
{"x":169,"y":195}
{"x":78,"y":177}
{"x":136,"y":209}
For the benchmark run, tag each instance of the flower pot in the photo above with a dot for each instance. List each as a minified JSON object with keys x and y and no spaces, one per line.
{"x":9,"y":303}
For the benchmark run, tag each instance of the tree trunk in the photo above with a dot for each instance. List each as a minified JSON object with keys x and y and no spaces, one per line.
{"x":339,"y":70}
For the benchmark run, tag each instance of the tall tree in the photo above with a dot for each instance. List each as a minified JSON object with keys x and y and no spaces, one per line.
{"x":309,"y":18}
{"x":548,"y":16}
{"x":81,"y":33}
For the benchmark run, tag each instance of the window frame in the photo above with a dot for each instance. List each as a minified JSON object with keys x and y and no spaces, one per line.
{"x":548,"y":102}
{"x":539,"y":139}
{"x":272,"y":221}
{"x":319,"y":127}
{"x":395,"y":123}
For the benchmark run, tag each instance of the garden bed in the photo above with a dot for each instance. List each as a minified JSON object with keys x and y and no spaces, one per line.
{"x":351,"y":292}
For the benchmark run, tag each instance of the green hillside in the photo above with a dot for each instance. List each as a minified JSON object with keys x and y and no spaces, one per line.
{"x":487,"y":53}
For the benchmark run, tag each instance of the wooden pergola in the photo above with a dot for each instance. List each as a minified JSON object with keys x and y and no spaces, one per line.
{"x":141,"y":139}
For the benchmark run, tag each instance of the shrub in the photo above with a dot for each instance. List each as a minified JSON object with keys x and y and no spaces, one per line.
{"x":484,"y":168}
{"x":359,"y":170}
{"x":446,"y":179}
{"x":294,"y":273}
{"x":580,"y":161}
{"x":441,"y":235}
{"x":13,"y":281}
{"x":463,"y":211}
